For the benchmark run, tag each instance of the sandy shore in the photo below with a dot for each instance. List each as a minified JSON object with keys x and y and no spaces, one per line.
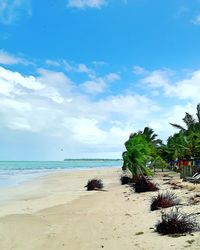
{"x":55,"y":212}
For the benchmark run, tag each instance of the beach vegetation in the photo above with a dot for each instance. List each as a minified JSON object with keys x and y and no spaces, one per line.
{"x":145,"y":153}
{"x":94,"y":184}
{"x":143,"y":184}
{"x":137,"y":154}
{"x":125,"y":179}
{"x":176,"y":222}
{"x":185,"y":144}
{"x":164,"y":200}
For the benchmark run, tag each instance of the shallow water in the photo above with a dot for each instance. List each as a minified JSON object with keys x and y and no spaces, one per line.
{"x":15,"y":172}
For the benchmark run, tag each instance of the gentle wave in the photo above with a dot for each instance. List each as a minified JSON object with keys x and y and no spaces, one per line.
{"x":16,"y":172}
{"x":32,"y":165}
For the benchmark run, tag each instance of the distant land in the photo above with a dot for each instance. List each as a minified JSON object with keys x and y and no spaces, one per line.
{"x":84,"y":159}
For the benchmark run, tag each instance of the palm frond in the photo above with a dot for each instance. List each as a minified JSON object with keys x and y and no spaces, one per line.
{"x":189,"y":120}
{"x":178,"y":126}
{"x":198,"y":112}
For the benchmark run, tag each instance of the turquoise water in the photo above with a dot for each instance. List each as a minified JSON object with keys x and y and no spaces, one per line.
{"x":15,"y":172}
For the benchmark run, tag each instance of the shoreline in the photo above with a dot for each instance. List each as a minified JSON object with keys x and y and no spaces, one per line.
{"x":19,"y":177}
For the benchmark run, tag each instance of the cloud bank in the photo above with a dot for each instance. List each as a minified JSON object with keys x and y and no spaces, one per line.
{"x":89,"y":116}
{"x":82,"y":4}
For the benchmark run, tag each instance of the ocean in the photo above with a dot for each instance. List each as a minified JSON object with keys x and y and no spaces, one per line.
{"x":13,"y":173}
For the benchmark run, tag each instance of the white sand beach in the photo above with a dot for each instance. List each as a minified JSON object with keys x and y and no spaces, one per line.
{"x":55,"y":212}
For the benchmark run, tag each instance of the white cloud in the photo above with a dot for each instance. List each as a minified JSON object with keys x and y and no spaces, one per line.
{"x":52,"y":63}
{"x":55,"y":78}
{"x":174,"y":114}
{"x":181,"y":12}
{"x":8,"y":59}
{"x":51,"y":104}
{"x":187,"y":88}
{"x":98,"y":85}
{"x":13,"y":83}
{"x":71,"y":67}
{"x":112,"y":77}
{"x":131,"y":106}
{"x":157,"y":79}
{"x":83,"y":68}
{"x":86,"y":3}
{"x":99,"y":63}
{"x":139,"y":70}
{"x":30,"y":103}
{"x":85,"y":130}
{"x":11,"y":11}
{"x":55,"y":83}
{"x":67,"y":66}
{"x":196,"y":20}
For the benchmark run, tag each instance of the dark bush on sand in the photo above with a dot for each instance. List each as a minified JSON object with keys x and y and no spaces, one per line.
{"x":125,"y":180}
{"x":164,"y":200}
{"x":94,"y":184}
{"x":175,"y":222}
{"x":144,"y":185}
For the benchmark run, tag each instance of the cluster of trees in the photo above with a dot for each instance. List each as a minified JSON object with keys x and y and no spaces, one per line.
{"x":144,"y":150}
{"x":186,"y":143}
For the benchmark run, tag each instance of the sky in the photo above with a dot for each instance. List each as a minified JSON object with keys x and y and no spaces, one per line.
{"x":78,"y":76}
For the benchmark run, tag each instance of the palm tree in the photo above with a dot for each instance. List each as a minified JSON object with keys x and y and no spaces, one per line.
{"x":175,"y":146}
{"x":198,"y":112}
{"x":186,"y":143}
{"x":190,"y":121}
{"x":137,"y":155}
{"x":150,"y":136}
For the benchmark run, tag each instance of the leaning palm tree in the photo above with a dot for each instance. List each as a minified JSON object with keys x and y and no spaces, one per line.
{"x":137,"y":155}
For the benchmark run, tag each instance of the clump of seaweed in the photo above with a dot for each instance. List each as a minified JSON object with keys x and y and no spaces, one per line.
{"x":125,"y":180}
{"x":94,"y":184}
{"x":176,"y":222}
{"x":164,"y":200}
{"x":144,"y":185}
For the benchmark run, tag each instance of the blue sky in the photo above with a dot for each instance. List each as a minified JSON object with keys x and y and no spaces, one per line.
{"x":81,"y":75}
